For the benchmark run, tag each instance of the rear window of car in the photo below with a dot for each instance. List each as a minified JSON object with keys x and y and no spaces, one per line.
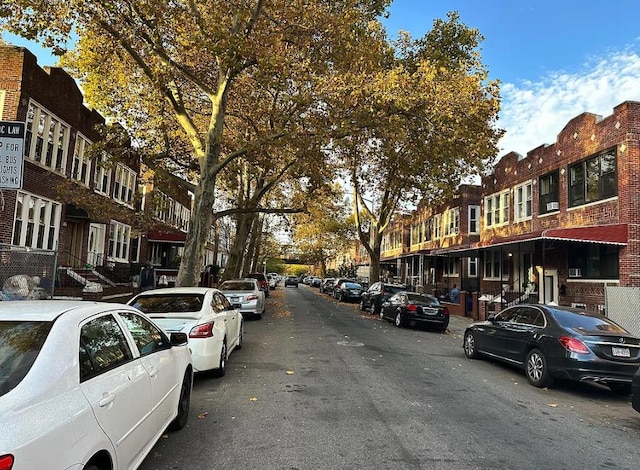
{"x":258,"y":276}
{"x":585,"y":324}
{"x":393,"y":289}
{"x":352,"y":285}
{"x":413,"y":297}
{"x":169,"y":303}
{"x":237,"y":285}
{"x":20,"y":343}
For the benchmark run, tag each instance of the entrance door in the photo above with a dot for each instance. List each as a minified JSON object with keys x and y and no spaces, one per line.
{"x":95,"y":246}
{"x":76,"y":230}
{"x":549,"y":290}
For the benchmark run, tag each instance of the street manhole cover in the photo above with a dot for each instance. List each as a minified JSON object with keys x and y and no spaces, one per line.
{"x":350,"y":343}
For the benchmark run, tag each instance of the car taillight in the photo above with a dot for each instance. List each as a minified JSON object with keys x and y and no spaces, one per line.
{"x":251,"y":297}
{"x":202,"y":331}
{"x":446,"y":312}
{"x":574,"y":345}
{"x":6,"y":462}
{"x":412,"y":307}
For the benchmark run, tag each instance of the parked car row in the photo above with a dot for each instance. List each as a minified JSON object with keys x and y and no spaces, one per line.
{"x":111,"y":378}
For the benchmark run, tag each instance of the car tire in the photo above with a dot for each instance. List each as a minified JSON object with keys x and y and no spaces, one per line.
{"x":340,"y":297}
{"x":537,"y":370}
{"x":222,"y":367}
{"x":399,"y":319}
{"x":381,"y":314}
{"x":443,"y":328}
{"x":184,"y":402}
{"x":622,"y":389}
{"x":469,"y":345}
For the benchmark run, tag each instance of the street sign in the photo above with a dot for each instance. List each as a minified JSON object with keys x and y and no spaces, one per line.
{"x":11,"y":154}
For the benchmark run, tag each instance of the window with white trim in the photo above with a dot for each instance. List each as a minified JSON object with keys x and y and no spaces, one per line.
{"x":46,"y":139}
{"x":124,"y":185}
{"x":437,"y":222}
{"x":451,"y":267}
{"x":474,"y":220}
{"x":522,"y":202}
{"x":472,"y":267}
{"x":451,"y":219}
{"x":496,"y":209}
{"x":119,"y":241}
{"x":81,"y":163}
{"x":492,"y":268}
{"x":102,"y":177}
{"x":36,"y":222}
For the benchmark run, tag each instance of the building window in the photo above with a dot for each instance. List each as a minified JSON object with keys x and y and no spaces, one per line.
{"x":592,"y":261}
{"x":522,"y":202}
{"x":427,"y":230}
{"x":119,"y":240}
{"x":474,"y":220}
{"x":37,"y":222}
{"x":549,"y":193}
{"x":81,"y":163}
{"x":451,"y":219}
{"x":102,"y":177}
{"x":451,"y":267}
{"x":124,"y":185}
{"x":593,"y":179}
{"x":437,"y":220}
{"x":46,"y":139}
{"x":472,"y":267}
{"x":493,"y":268}
{"x":496,"y":209}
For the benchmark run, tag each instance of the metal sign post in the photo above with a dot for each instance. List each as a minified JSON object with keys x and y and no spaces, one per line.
{"x":11,"y":154}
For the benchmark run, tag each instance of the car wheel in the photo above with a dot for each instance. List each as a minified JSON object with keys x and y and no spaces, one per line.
{"x":621,"y":389}
{"x":381,"y":314}
{"x":536,"y":369}
{"x":469,"y":345}
{"x":184,"y":402}
{"x":375,"y":310}
{"x":240,"y":336}
{"x":222,"y":367}
{"x":399,"y":319}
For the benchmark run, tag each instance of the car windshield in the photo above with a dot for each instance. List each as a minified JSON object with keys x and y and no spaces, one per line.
{"x":237,"y":285}
{"x":169,"y":303}
{"x":20,"y":343}
{"x":421,"y":298}
{"x":352,"y":285}
{"x":586,"y":324}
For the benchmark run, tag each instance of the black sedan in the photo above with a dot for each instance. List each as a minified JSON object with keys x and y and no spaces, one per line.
{"x":373,"y":297}
{"x":291,"y":281}
{"x":406,"y":308}
{"x":347,"y":291}
{"x":558,"y":343}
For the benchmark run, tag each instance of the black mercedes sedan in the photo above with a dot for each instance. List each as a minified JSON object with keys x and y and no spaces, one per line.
{"x":550,"y":342}
{"x":407,"y":308}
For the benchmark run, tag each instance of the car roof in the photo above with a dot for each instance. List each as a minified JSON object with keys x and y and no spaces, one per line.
{"x":49,"y":310}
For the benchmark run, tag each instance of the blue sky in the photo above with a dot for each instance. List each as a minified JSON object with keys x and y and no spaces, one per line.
{"x":555,"y":59}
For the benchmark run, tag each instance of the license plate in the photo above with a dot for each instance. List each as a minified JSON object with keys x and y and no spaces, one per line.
{"x":235,"y":299}
{"x":620,"y":352}
{"x":431,"y":311}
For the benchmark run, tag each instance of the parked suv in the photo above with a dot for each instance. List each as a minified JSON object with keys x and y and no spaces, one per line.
{"x":262,"y":280}
{"x":373,"y":297}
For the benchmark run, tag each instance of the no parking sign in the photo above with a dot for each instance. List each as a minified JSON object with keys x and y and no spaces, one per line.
{"x":11,"y":154}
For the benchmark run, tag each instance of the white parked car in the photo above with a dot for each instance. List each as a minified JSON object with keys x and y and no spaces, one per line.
{"x":213,"y":326}
{"x":245,"y":295}
{"x":87,"y":385}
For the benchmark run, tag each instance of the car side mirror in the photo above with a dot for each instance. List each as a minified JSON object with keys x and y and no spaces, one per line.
{"x":178,"y":339}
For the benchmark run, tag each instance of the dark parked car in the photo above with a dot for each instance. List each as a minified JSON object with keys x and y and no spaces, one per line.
{"x":334,"y":287}
{"x":262,"y":280}
{"x":406,"y":308}
{"x":558,"y":343}
{"x":327,"y":281}
{"x":373,"y":297}
{"x":291,"y":281}
{"x":635,"y":391}
{"x":347,"y":291}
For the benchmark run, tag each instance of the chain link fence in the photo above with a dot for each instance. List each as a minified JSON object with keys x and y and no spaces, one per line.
{"x":621,"y":305}
{"x":26,"y":273}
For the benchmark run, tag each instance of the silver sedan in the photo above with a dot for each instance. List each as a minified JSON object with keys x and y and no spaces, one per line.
{"x":245,"y":295}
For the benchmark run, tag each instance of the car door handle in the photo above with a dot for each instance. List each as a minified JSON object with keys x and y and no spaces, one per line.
{"x":153,"y":372}
{"x":106,"y":399}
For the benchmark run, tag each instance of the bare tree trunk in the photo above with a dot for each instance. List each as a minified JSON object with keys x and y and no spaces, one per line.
{"x":254,"y":245}
{"x":236,"y":253}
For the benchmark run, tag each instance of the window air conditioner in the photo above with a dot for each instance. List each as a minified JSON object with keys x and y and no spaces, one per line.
{"x":575,"y":272}
{"x":552,"y":206}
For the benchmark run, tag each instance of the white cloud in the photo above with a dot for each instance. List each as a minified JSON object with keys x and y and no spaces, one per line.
{"x":533,"y":113}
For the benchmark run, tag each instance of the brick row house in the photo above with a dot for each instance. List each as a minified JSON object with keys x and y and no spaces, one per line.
{"x":63,"y":188}
{"x":557,"y":225}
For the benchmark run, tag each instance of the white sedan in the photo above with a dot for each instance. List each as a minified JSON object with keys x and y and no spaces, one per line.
{"x":214,"y":327}
{"x":245,"y":295}
{"x":87,"y":385}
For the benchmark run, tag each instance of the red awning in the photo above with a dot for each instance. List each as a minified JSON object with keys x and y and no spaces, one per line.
{"x":608,"y":234}
{"x":157,"y":236}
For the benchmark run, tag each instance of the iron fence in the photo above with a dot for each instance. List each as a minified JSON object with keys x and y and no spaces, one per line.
{"x":27,"y":273}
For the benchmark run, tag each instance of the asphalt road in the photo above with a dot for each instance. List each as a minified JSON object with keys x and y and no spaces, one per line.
{"x":322,"y":385}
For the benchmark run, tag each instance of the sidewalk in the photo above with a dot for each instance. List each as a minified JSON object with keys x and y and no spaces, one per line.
{"x":457,"y":324}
